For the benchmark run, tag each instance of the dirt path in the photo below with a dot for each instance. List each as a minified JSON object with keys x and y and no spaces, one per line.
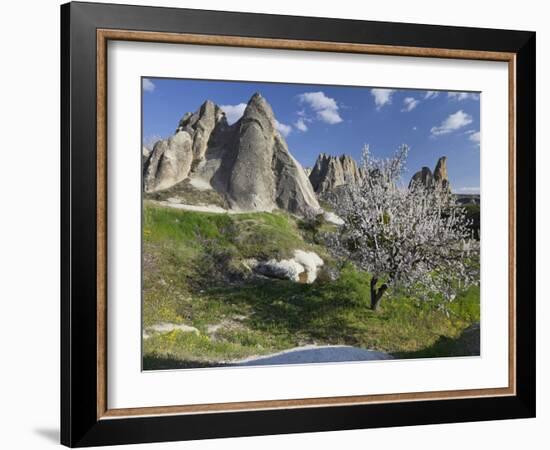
{"x":198,"y":208}
{"x":315,"y":354}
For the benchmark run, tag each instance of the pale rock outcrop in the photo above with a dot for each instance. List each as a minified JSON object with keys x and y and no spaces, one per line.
{"x":330,"y":172}
{"x":423,"y":177}
{"x":251,"y":184}
{"x":248,"y":163}
{"x":293,"y":190}
{"x":302,"y":268}
{"x":286,"y":269}
{"x":311,"y":262}
{"x":440,"y":173}
{"x":145,"y":152}
{"x":332,"y":218}
{"x":169,"y":162}
{"x":439,"y":177}
{"x":200,"y":126}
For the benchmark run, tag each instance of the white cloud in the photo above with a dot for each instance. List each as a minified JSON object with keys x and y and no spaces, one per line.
{"x":283,"y":128}
{"x":318,"y":100}
{"x":382,"y":96}
{"x":415,"y":128}
{"x":452,"y":123}
{"x":475,"y":136}
{"x":409,"y":103}
{"x":148,"y":85}
{"x":329,"y":116}
{"x":431,"y":94}
{"x":233,"y":112}
{"x":463,"y":96}
{"x":300,"y":124}
{"x":325,"y":107}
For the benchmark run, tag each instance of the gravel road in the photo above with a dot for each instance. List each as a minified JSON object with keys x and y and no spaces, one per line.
{"x":315,"y":354}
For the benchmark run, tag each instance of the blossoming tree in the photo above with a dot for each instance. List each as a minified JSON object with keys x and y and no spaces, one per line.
{"x":415,"y":237}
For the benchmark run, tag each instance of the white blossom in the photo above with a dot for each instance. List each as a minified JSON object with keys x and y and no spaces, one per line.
{"x":416,"y":238}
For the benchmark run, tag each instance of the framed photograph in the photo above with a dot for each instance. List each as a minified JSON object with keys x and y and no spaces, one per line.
{"x":276,"y":224}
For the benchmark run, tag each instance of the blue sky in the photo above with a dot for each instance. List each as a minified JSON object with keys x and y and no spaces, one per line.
{"x":338,"y":119}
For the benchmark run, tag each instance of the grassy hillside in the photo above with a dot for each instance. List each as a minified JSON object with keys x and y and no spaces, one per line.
{"x":194,"y":274}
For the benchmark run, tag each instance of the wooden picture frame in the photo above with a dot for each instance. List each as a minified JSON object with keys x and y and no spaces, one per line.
{"x":86,"y":418}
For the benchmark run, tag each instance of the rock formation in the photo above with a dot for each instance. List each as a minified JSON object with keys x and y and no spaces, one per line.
{"x":302,"y":268}
{"x":250,"y":182}
{"x":440,"y":173}
{"x":200,"y":126}
{"x":145,"y":152}
{"x":439,"y":177}
{"x":330,"y":172}
{"x":248,"y":163}
{"x":423,"y":177}
{"x":171,"y":159}
{"x":169,"y":162}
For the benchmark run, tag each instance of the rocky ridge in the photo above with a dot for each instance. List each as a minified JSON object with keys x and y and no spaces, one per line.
{"x":248,"y":163}
{"x":330,"y":172}
{"x":439,"y":177}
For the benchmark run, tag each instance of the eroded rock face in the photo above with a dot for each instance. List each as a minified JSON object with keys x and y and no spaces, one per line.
{"x":248,"y":163}
{"x":302,"y":268}
{"x":310,"y":261}
{"x":251,"y":182}
{"x":332,"y":218}
{"x":330,"y":172}
{"x":293,"y":191}
{"x":439,"y":177}
{"x":200,"y":126}
{"x":440,"y":173}
{"x":264,"y":174}
{"x":423,"y":177}
{"x":145,"y":152}
{"x":169,"y":162}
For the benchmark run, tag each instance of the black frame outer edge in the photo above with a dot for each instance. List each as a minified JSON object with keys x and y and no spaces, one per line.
{"x":525,"y":222}
{"x":79,"y":426}
{"x":65,"y":227}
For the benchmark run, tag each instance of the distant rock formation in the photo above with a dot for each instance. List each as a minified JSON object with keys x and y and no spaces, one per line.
{"x":248,"y":163}
{"x":424,"y":177}
{"x":439,"y":177}
{"x":330,"y":172}
{"x":440,"y":173}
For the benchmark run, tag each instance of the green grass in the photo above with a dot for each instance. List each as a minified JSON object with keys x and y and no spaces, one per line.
{"x":193,"y":274}
{"x":185,"y":346}
{"x":338,"y":313}
{"x":184,"y":226}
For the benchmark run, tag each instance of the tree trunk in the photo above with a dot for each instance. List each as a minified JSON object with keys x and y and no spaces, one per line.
{"x":376,"y":294}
